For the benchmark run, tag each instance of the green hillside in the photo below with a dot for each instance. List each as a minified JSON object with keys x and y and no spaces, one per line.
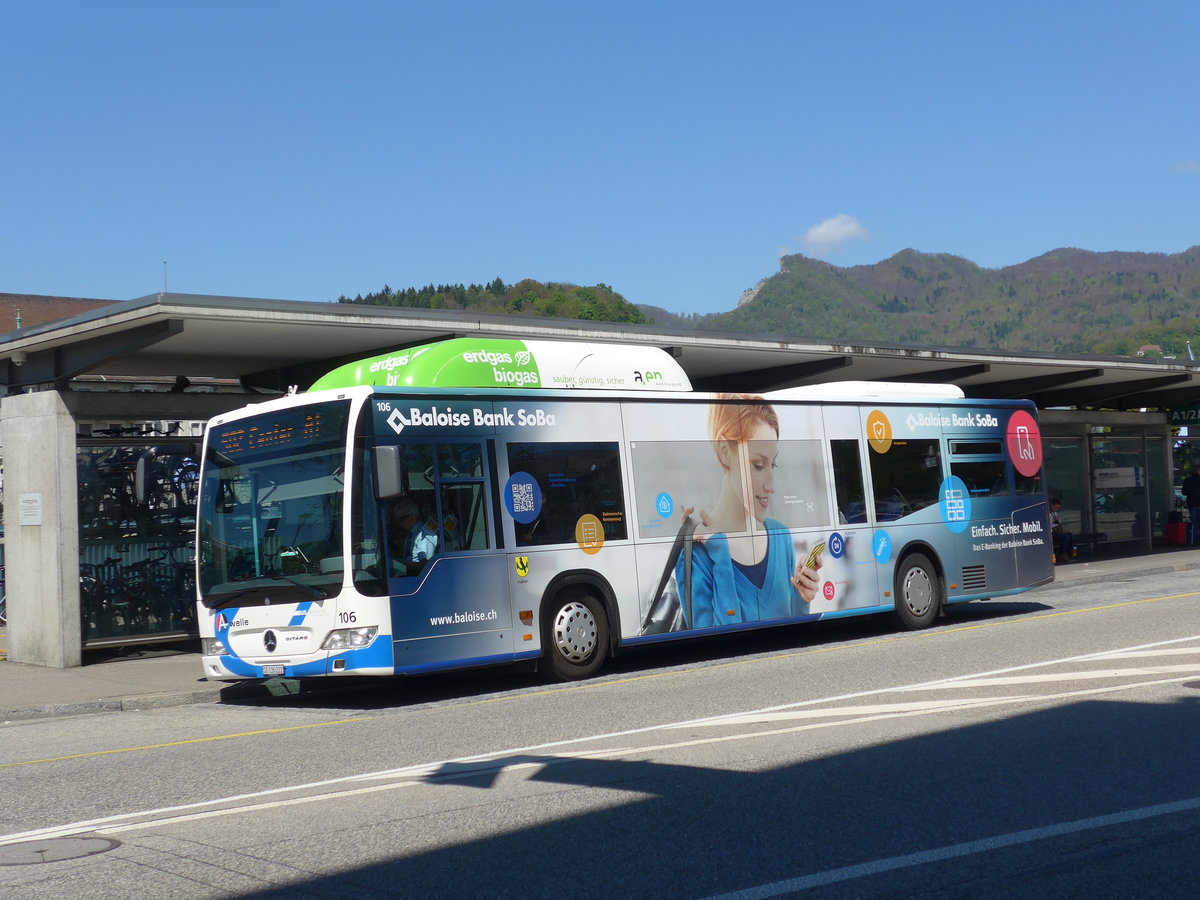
{"x":525,"y":298}
{"x":1067,"y":300}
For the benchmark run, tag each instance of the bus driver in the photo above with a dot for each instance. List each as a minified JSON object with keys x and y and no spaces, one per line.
{"x":411,"y":542}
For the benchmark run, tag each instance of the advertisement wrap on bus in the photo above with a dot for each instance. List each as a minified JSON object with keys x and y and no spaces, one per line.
{"x":477,"y":502}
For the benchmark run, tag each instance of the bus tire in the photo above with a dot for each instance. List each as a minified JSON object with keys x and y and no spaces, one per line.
{"x":575,"y":635}
{"x":919,"y":593}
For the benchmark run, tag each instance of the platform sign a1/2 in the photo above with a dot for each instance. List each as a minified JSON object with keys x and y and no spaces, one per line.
{"x":1184,"y":415}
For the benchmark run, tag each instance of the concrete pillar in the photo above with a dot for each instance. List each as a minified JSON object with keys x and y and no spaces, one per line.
{"x":41,"y":525}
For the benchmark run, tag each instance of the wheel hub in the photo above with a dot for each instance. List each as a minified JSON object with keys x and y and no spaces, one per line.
{"x":918,"y":591}
{"x":575,"y":632}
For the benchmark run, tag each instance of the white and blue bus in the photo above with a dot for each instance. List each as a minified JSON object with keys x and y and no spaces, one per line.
{"x":483,"y":501}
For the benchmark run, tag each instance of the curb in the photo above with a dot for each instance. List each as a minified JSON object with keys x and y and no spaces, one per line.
{"x":220,"y":692}
{"x":1103,"y":577}
{"x":118,"y":704}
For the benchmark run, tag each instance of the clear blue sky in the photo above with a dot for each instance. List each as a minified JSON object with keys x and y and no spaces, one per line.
{"x":302,"y":150}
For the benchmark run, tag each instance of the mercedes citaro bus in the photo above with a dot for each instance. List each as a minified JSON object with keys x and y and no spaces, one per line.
{"x":483,"y":501}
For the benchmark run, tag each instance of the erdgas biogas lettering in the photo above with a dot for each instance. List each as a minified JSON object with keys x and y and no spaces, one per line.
{"x":386,"y":365}
{"x":510,"y":376}
{"x":490,"y":357}
{"x":496,"y":359}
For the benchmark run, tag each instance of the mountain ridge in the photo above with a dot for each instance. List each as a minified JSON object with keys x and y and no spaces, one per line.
{"x":1065,"y":300}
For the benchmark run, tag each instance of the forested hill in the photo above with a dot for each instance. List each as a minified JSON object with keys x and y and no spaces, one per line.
{"x":1072,"y":301}
{"x":1068,"y":301}
{"x":529,"y":298}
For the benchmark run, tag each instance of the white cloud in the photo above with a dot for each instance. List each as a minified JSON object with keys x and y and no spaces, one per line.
{"x":826,"y":238}
{"x":1188,"y":165}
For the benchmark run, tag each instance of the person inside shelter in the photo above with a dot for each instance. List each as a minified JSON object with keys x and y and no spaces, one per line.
{"x":411,"y":540}
{"x":1190,"y":488}
{"x":1063,"y":540}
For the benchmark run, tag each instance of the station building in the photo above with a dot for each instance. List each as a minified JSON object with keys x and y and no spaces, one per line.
{"x":94,"y":389}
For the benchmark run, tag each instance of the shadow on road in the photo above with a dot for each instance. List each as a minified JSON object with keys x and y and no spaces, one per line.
{"x":648,"y":829}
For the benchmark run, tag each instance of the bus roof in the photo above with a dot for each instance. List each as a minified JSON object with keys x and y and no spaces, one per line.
{"x":503,"y":363}
{"x":883,"y":390}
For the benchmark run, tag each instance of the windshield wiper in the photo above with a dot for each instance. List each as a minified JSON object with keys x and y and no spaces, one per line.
{"x":225,"y":602}
{"x":307,"y":588}
{"x":314,"y":591}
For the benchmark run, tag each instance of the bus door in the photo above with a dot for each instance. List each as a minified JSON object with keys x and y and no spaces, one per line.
{"x":449,"y":596}
{"x":1005,"y":542}
{"x":983,"y":490}
{"x":849,"y":574}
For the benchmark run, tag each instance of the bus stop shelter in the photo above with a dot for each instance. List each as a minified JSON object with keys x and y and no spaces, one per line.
{"x":87,"y":396}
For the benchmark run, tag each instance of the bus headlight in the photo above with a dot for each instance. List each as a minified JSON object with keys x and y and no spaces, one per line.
{"x":213,"y":647}
{"x":350,"y":638}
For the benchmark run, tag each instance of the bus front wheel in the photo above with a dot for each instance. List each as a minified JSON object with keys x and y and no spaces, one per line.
{"x":575,"y":639}
{"x":918,"y":592}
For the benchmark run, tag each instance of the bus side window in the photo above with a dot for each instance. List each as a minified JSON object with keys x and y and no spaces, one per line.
{"x":848,"y":482}
{"x":575,"y":479}
{"x":461,"y":517}
{"x":980,"y":465}
{"x":407,"y":532}
{"x":983,"y":478}
{"x":464,"y":522}
{"x":906,"y":478}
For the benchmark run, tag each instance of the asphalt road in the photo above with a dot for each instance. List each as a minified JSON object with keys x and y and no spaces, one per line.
{"x":1042,"y":747}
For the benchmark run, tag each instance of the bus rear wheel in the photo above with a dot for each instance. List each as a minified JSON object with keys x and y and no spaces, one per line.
{"x":575,"y":636}
{"x":918,"y":592}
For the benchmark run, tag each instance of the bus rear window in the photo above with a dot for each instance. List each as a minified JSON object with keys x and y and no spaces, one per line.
{"x":906,"y":478}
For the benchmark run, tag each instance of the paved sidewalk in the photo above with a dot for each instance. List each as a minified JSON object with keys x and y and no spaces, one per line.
{"x":157,"y":676}
{"x":109,"y":681}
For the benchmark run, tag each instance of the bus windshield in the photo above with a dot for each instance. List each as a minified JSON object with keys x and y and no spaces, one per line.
{"x":270,"y":524}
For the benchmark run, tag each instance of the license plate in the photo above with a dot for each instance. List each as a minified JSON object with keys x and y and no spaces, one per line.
{"x":272,"y":670}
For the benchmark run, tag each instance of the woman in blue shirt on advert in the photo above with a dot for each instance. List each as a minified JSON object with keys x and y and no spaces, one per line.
{"x":736,"y":577}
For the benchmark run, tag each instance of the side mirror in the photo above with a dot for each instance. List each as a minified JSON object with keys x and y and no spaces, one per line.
{"x":389,"y":475}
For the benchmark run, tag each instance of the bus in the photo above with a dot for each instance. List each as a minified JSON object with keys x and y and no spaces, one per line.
{"x":476,"y":502}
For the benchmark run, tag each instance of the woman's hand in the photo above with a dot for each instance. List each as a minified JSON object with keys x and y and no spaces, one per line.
{"x":807,"y":581}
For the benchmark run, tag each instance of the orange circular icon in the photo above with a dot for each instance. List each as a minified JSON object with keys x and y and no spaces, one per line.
{"x":589,"y":533}
{"x":879,"y":431}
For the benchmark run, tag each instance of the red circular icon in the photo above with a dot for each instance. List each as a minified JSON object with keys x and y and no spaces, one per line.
{"x":1024,"y":443}
{"x":827,"y":590}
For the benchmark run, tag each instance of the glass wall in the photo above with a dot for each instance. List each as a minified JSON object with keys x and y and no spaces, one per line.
{"x":1185,"y":456}
{"x":136,"y":574}
{"x":1158,"y":481}
{"x":1119,"y":488}
{"x":1066,"y":471}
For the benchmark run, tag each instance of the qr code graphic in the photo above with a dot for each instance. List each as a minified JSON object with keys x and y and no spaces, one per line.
{"x":522,"y":498}
{"x":956,"y":506}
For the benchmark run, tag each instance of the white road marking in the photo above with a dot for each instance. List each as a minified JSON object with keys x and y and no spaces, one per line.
{"x":536,"y":755}
{"x":829,"y":712}
{"x":1066,"y":676}
{"x":1141,"y":654}
{"x":956,"y":851}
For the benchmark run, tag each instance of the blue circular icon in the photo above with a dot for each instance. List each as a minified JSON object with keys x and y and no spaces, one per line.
{"x":881,"y":546}
{"x":955,"y":504}
{"x":664,"y":504}
{"x":837,"y":545}
{"x":523,"y":497}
